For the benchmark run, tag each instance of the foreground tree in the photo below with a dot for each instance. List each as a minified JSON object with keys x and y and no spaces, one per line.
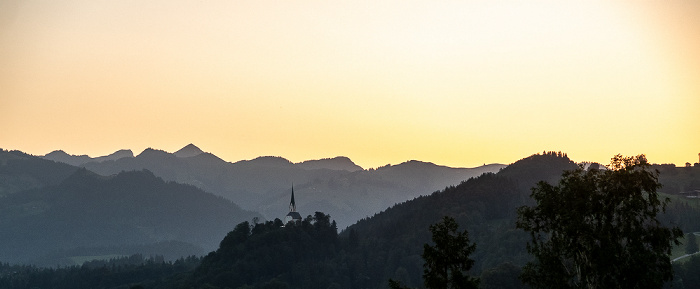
{"x":599,"y":229}
{"x":447,"y":262}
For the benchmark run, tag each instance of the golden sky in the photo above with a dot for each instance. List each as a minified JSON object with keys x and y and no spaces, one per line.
{"x":458,"y":83}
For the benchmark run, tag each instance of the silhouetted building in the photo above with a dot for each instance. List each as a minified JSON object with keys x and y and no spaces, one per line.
{"x":293,"y":215}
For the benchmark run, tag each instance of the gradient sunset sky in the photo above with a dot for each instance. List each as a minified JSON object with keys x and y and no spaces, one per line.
{"x":457,"y":83}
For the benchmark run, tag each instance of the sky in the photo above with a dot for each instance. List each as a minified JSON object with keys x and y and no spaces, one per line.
{"x":457,"y":83}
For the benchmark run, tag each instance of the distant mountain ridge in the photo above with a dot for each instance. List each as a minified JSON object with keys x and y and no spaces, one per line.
{"x":336,"y":163}
{"x":336,"y":186}
{"x":75,"y":160}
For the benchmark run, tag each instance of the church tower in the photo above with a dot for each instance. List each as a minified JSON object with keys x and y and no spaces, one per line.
{"x":293,"y":215}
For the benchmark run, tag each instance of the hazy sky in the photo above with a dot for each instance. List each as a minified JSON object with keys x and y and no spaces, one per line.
{"x":458,"y":83}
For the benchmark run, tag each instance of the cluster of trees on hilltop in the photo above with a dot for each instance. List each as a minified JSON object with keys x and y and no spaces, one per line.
{"x":679,"y":180}
{"x":270,"y":255}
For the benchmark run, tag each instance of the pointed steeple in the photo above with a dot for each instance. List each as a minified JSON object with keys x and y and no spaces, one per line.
{"x":292,"y":216}
{"x":292,"y":204}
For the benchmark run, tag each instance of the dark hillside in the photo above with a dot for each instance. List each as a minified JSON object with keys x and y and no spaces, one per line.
{"x":391,"y":241}
{"x":87,"y":211}
{"x":540,"y":167}
{"x":20,"y":171}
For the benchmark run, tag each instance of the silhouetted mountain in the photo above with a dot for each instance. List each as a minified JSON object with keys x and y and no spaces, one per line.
{"x":20,"y":171}
{"x":189,"y":150}
{"x":269,"y":161}
{"x":392,"y":241}
{"x":336,"y":163}
{"x":61,"y":156}
{"x":115,"y":156}
{"x":335,"y":186}
{"x":86,"y":212}
{"x":545,"y":167}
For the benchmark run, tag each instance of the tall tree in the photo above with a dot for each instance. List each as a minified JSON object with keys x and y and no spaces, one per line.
{"x":447,"y":262}
{"x":599,"y":229}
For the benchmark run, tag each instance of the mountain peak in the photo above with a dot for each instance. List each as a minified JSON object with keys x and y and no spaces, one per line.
{"x":57,"y":153}
{"x":62,"y":156}
{"x":271,"y":161}
{"x":336,"y":163}
{"x":189,"y":150}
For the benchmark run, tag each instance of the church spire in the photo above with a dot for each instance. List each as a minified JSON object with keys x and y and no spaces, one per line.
{"x":292,"y":216}
{"x":292,"y":204}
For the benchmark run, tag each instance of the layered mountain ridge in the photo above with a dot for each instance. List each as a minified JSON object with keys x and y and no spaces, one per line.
{"x":62,"y":210}
{"x":78,"y":160}
{"x":336,"y":186}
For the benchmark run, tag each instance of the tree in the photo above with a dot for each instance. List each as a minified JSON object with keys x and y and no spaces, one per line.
{"x":599,"y":229}
{"x":691,"y":244}
{"x":447,"y":262}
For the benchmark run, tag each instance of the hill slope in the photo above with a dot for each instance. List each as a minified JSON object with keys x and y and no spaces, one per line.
{"x":20,"y":171}
{"x":89,"y":213}
{"x":485,"y":206}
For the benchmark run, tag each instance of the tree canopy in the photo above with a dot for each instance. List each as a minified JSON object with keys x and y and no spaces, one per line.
{"x":599,"y":229}
{"x":447,"y":262}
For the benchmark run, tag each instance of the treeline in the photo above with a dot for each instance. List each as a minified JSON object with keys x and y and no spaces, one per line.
{"x":124,"y":272}
{"x":270,"y":255}
{"x":679,"y":180}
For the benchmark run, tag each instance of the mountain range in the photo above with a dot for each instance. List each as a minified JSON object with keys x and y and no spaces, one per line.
{"x":54,"y":212}
{"x":78,"y":160}
{"x":336,"y":186}
{"x":74,"y":212}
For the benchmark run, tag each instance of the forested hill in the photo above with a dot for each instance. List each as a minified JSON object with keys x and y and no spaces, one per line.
{"x":132,"y":212}
{"x":269,"y":255}
{"x":485,"y":206}
{"x":20,"y":171}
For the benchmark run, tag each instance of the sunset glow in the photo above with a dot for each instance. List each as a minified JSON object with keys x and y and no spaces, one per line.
{"x":458,"y":83}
